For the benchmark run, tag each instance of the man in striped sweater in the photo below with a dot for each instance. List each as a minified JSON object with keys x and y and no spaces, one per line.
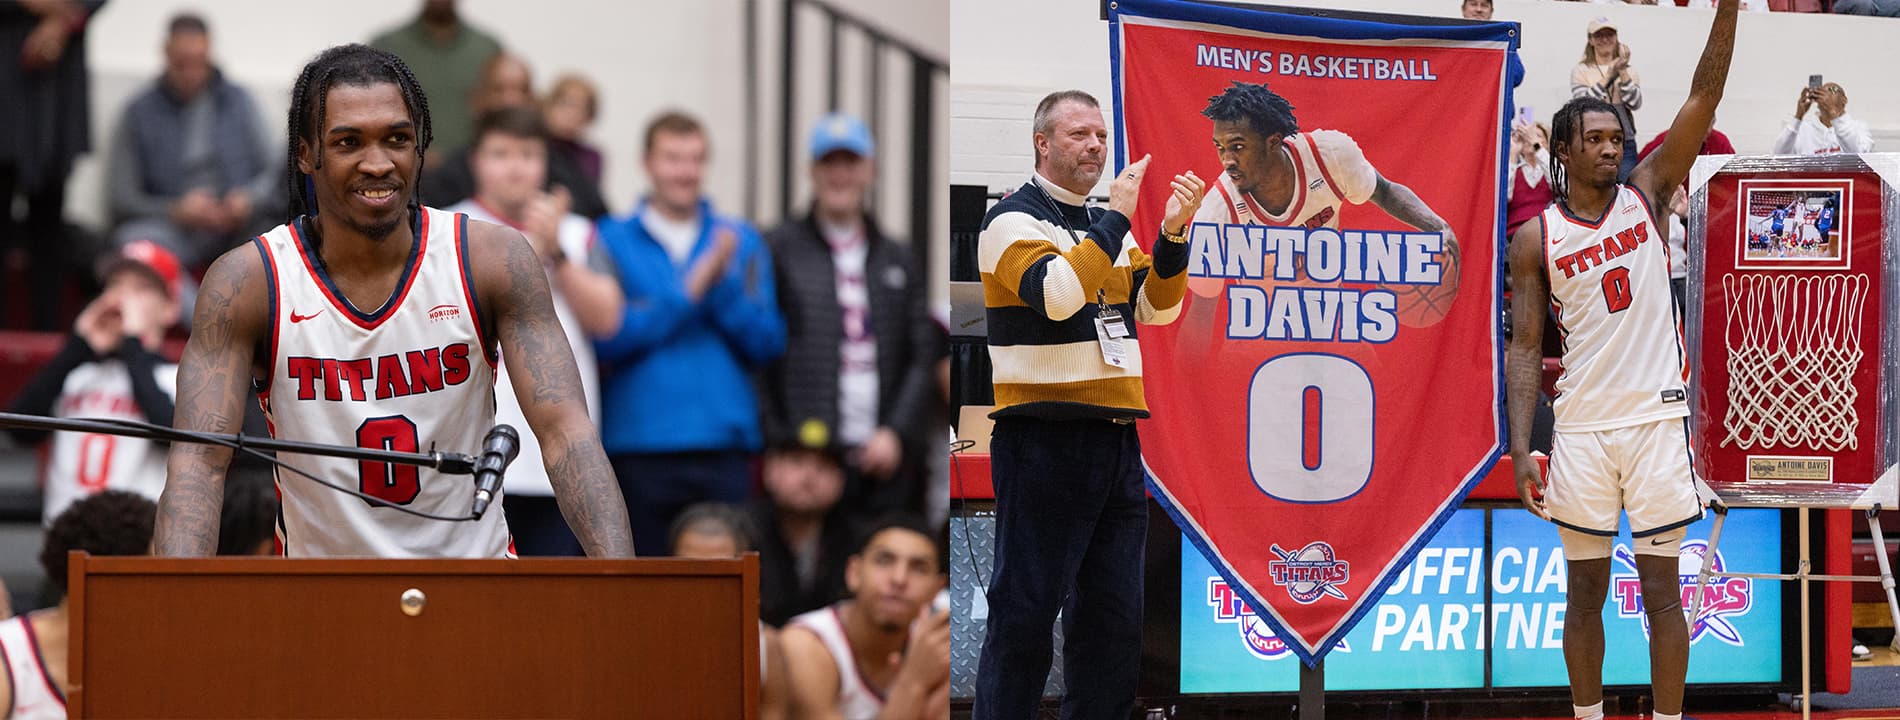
{"x":1065,"y":285}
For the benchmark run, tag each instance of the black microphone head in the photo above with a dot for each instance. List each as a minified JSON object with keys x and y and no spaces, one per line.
{"x":504,"y":440}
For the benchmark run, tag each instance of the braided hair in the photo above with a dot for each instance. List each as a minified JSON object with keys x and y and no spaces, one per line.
{"x":1262,"y":109}
{"x":1567,"y":128}
{"x":354,"y":65}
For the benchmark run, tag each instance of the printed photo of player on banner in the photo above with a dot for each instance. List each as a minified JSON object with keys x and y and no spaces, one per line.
{"x":1334,"y":385}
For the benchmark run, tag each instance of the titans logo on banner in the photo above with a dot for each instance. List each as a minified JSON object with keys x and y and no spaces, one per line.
{"x":1334,"y":385}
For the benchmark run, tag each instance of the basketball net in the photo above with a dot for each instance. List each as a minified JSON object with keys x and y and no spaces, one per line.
{"x":1793,"y":347}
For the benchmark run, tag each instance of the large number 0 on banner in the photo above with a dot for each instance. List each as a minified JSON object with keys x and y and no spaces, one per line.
{"x":1282,"y":424}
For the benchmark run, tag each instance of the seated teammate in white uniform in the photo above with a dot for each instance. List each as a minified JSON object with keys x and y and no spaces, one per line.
{"x":33,"y":646}
{"x":884,"y":653}
{"x":1598,"y":255}
{"x":373,"y":321}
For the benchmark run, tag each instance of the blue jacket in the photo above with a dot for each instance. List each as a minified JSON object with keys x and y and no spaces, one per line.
{"x":678,"y":375}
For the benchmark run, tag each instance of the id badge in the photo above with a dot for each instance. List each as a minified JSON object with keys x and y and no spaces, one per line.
{"x":1114,"y":352}
{"x":1111,"y":319}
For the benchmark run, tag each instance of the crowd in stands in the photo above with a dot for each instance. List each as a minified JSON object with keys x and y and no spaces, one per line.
{"x":775,"y":391}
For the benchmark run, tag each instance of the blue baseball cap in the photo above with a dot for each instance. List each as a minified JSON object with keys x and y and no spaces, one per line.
{"x":840,"y":131}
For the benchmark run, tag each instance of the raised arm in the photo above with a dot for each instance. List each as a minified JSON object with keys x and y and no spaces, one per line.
{"x":1524,"y":361}
{"x":1657,"y":175}
{"x":213,"y":385}
{"x":511,"y":282}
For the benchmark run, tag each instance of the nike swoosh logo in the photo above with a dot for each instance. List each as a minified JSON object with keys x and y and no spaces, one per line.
{"x":1661,"y":541}
{"x":295,"y":318}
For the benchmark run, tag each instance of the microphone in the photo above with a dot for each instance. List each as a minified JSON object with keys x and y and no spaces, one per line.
{"x":498,"y":449}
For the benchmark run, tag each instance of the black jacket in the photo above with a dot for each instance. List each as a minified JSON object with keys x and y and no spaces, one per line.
{"x":803,"y":385}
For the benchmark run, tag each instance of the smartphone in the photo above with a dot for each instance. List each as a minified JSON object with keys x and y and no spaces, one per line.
{"x":1814,"y":82}
{"x":1525,"y":116}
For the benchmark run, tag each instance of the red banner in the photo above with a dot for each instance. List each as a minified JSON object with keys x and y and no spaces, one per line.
{"x":1333,"y":386}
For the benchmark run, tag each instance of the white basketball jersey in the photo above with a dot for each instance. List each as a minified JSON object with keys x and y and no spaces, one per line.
{"x":528,"y":475}
{"x":34,"y":695}
{"x":78,"y":464}
{"x":1623,"y":358}
{"x":1329,"y":170}
{"x":411,"y":376}
{"x":856,"y":700}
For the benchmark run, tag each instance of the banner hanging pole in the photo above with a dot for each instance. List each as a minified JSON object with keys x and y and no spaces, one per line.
{"x":1313,"y":691}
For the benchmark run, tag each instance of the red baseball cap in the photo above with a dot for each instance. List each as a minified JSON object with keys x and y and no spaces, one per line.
{"x":150,"y":257}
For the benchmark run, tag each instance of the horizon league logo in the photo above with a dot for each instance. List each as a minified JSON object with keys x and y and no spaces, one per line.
{"x":1255,"y":634}
{"x":1724,"y":598}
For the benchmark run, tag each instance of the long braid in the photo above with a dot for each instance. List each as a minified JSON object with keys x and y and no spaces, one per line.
{"x":1567,"y":127}
{"x":354,"y":65}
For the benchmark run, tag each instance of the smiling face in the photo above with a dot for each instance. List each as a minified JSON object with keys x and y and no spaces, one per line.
{"x":1604,"y":43}
{"x":368,"y":144}
{"x":1592,"y":159}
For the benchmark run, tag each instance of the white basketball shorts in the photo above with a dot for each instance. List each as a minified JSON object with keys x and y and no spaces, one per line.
{"x":1645,"y":469}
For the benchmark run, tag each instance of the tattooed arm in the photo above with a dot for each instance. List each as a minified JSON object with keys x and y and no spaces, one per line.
{"x":213,"y":385}
{"x":511,"y":284}
{"x":1658,"y":175}
{"x":1524,"y":360}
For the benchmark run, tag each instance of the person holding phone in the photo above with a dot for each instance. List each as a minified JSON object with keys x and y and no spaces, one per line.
{"x":1821,"y":125}
{"x":1530,"y":172}
{"x":1605,"y":74}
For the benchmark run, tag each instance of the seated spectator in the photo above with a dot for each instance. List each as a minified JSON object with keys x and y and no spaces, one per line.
{"x":191,"y":166}
{"x":247,"y":524}
{"x":1530,"y":175}
{"x":681,"y":416}
{"x":1882,"y":8}
{"x":713,"y":531}
{"x":510,"y":164}
{"x":447,"y":55}
{"x":506,"y":82}
{"x":110,"y":368}
{"x":885,"y":651}
{"x":804,"y":534}
{"x":34,"y":644}
{"x":859,"y":343}
{"x":570,"y":108}
{"x":1476,"y":9}
{"x":1821,"y":125}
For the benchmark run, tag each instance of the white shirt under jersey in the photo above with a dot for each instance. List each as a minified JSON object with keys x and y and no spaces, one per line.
{"x":1622,"y":341}
{"x":528,"y":474}
{"x":411,"y":376}
{"x":78,"y":464}
{"x":34,"y":695}
{"x":856,"y":700}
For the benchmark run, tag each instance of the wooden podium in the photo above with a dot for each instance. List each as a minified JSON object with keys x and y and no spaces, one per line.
{"x":542,"y":638}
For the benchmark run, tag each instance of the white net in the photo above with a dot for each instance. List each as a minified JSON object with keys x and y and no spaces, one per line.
{"x":1793,"y":347}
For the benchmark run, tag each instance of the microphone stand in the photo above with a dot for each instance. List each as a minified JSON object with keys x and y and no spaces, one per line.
{"x":449,"y":463}
{"x":443,"y":462}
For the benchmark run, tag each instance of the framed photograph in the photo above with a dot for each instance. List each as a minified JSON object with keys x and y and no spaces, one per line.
{"x":1794,"y":224}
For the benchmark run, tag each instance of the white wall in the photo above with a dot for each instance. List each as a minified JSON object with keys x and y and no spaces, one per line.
{"x":645,"y":55}
{"x":1006,"y":55}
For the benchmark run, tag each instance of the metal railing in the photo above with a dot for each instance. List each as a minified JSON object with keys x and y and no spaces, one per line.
{"x":885,"y":53}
